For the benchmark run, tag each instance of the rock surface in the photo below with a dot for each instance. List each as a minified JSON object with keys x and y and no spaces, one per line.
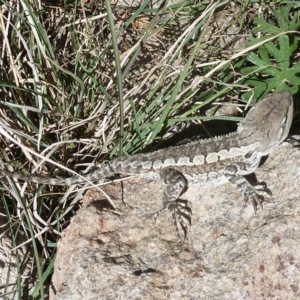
{"x":233,"y":253}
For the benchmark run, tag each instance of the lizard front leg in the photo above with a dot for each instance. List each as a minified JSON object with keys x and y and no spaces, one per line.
{"x":175,"y":185}
{"x":234,"y":173}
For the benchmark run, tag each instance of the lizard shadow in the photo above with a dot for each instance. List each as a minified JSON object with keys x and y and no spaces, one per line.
{"x":193,"y":133}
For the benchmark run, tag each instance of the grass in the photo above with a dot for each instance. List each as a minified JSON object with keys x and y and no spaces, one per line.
{"x":83,"y":82}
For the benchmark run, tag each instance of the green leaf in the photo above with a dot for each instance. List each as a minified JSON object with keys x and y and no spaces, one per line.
{"x":272,"y":67}
{"x":263,"y":26}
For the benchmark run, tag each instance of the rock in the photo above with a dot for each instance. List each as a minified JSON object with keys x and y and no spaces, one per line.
{"x":233,"y":253}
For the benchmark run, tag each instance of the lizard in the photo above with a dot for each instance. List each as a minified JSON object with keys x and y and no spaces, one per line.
{"x":205,"y":162}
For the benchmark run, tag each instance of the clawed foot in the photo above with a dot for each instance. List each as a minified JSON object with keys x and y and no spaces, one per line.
{"x":256,"y":195}
{"x":181,"y":215}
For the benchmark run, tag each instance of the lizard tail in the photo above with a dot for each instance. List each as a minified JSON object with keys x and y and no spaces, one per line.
{"x":104,"y":171}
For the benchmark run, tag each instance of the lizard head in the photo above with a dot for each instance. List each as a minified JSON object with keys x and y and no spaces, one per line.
{"x":267,"y":124}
